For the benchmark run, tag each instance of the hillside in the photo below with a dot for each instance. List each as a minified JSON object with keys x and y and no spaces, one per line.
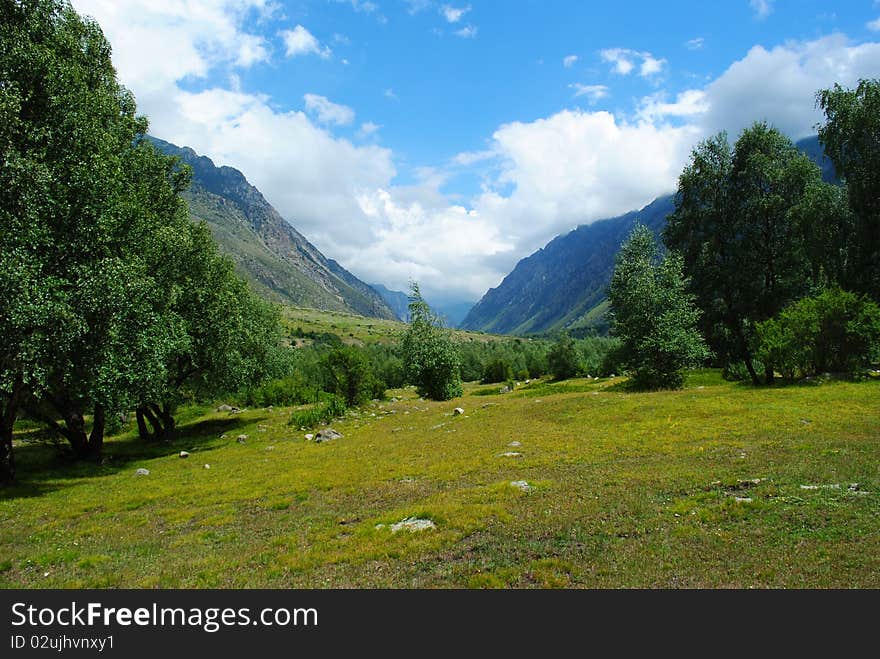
{"x":562,"y":285}
{"x":278,"y":261}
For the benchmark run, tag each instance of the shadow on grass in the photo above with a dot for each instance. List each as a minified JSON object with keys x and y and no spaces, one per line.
{"x":43,"y":466}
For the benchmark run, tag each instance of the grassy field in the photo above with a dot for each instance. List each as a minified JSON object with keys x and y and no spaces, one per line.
{"x":718,"y":485}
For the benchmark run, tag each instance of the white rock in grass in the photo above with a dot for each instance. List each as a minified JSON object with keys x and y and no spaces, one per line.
{"x":207,"y":466}
{"x":327,"y":434}
{"x":142,"y":472}
{"x":241,"y":439}
{"x":184,"y":454}
{"x":514,"y":444}
{"x":309,"y":437}
{"x":521,"y":485}
{"x":413,"y":524}
{"x":510,"y":454}
{"x":457,"y":411}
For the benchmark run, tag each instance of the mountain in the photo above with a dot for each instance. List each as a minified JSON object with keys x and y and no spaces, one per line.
{"x":277,"y":260}
{"x":563,"y":285}
{"x":397,"y":301}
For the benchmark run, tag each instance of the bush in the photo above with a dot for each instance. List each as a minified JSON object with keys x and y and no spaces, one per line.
{"x":835,"y":331}
{"x":564,"y":358}
{"x":331,"y":408}
{"x":291,"y":390}
{"x":497,"y":371}
{"x":349,"y":373}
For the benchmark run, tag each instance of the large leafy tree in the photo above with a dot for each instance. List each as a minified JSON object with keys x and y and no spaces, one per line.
{"x":653,"y":314}
{"x":850,"y":136}
{"x":739,"y":225}
{"x":431,"y":358}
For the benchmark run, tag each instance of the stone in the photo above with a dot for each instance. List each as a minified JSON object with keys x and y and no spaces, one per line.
{"x":413,"y":524}
{"x":309,"y":437}
{"x":327,"y":434}
{"x":514,"y":444}
{"x":743,"y":499}
{"x":521,"y":485}
{"x":457,"y":411}
{"x":241,"y":439}
{"x":854,"y":487}
{"x":831,"y":486}
{"x":184,"y":454}
{"x":142,"y":472}
{"x":207,"y":466}
{"x":510,"y":454}
{"x":225,"y":408}
{"x":505,"y":389}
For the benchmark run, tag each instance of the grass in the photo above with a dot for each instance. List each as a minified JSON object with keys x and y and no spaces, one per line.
{"x":628,"y":490}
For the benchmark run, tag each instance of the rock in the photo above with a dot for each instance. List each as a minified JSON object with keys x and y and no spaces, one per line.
{"x":413,"y":524}
{"x":241,"y":439}
{"x":270,"y":448}
{"x":805,"y":421}
{"x":612,"y":376}
{"x":521,"y":485}
{"x":207,"y":466}
{"x":457,"y":411}
{"x":438,"y":426}
{"x":142,"y":472}
{"x":223,"y":436}
{"x":225,"y":408}
{"x":505,"y":389}
{"x":854,"y":487}
{"x":326,"y":435}
{"x":514,"y":444}
{"x":309,"y":437}
{"x":831,"y":486}
{"x":743,"y":499}
{"x":184,"y":454}
{"x":510,"y":454}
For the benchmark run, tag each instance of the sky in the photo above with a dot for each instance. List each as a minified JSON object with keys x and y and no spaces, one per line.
{"x":415,"y":140}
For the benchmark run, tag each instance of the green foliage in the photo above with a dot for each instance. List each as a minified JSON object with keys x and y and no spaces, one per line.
{"x":653,"y":315}
{"x":332,"y":407}
{"x":849,"y":137}
{"x":431,"y":358}
{"x":744,"y":223}
{"x":290,"y":390}
{"x":564,"y":360}
{"x":349,"y":374}
{"x":497,"y":370}
{"x":835,"y":331}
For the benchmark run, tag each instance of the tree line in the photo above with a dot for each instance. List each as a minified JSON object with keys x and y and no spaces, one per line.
{"x":768,"y":268}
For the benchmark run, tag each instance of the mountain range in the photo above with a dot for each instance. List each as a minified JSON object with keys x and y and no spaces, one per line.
{"x":562,"y":286}
{"x":267,"y":250}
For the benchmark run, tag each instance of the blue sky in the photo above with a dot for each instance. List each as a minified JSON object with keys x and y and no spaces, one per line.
{"x":413,"y":139}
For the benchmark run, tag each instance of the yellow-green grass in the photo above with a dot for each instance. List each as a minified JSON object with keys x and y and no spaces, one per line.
{"x":359,"y":330}
{"x":650,"y":489}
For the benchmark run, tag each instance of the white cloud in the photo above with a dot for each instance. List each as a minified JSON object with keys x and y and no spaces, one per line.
{"x":592,"y":92}
{"x":453,"y":14}
{"x":299,"y":41}
{"x":874,"y":25}
{"x":762,"y":8}
{"x":328,"y":112}
{"x":694,"y":44}
{"x":467,"y":32}
{"x":689,"y":103}
{"x":624,"y":60}
{"x":367,"y":129}
{"x":467,"y":158}
{"x":569,"y":60}
{"x":389,"y":93}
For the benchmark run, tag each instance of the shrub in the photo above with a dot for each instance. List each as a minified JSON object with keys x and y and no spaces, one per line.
{"x":331,"y":408}
{"x":431,"y":358}
{"x":497,"y":371}
{"x":834,"y":331}
{"x":564,"y":358}
{"x":349,"y":373}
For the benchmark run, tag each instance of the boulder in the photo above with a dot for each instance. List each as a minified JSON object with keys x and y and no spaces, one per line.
{"x":521,"y":485}
{"x":309,"y":437}
{"x":225,"y":408}
{"x":413,"y":524}
{"x":184,"y":454}
{"x":207,"y":466}
{"x":326,"y":435}
{"x":241,"y":439}
{"x":142,"y":472}
{"x":457,"y":411}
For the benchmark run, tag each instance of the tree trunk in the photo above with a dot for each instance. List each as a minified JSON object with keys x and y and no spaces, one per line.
{"x":7,"y":423}
{"x":96,"y":438}
{"x":168,"y":423}
{"x":143,"y":431}
{"x":75,"y":431}
{"x":768,"y":374}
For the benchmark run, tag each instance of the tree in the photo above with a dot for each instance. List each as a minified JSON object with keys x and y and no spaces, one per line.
{"x":653,"y":314}
{"x":739,"y":225}
{"x":431,"y":358}
{"x":563,"y":360}
{"x":849,"y":136}
{"x":349,"y":374}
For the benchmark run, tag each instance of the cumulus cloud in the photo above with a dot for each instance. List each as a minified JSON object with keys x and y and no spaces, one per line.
{"x":592,"y":92}
{"x":624,"y":61}
{"x":328,"y":112}
{"x":453,"y":14}
{"x":874,"y":25}
{"x":762,"y":8}
{"x":368,"y":129}
{"x":540,"y":177}
{"x":467,"y":32}
{"x":569,"y":60}
{"x":299,"y":41}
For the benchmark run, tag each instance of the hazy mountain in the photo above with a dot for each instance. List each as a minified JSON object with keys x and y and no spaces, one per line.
{"x":278,"y":261}
{"x":563,"y":285}
{"x":397,"y":301}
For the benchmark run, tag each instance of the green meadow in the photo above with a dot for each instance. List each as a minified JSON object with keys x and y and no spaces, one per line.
{"x":716,"y":485}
